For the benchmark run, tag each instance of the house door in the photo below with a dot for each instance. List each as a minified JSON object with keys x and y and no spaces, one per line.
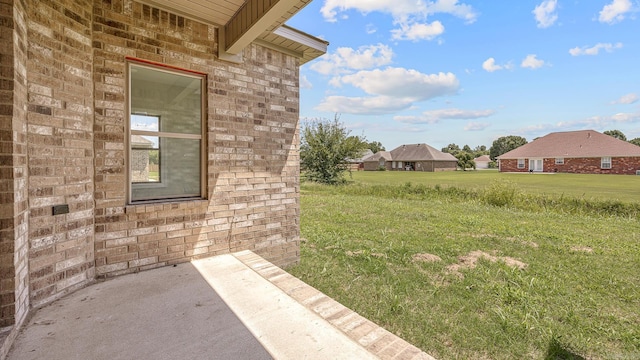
{"x":535,"y":165}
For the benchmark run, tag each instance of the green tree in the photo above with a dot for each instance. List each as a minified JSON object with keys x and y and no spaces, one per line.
{"x":465,"y":160}
{"x":616,"y":134}
{"x":505,"y":144}
{"x":635,"y":141}
{"x":452,"y":149}
{"x":375,"y":146}
{"x":325,"y":146}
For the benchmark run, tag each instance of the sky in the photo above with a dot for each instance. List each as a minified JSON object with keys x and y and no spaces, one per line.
{"x":468,"y":72}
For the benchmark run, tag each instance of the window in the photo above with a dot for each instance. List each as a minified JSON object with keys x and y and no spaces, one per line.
{"x":520,"y":163}
{"x":166,"y":141}
{"x":559,"y":161}
{"x":393,"y":165}
{"x":605,"y":162}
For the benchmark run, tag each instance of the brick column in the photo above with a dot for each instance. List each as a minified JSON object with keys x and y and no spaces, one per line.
{"x":14,"y":299}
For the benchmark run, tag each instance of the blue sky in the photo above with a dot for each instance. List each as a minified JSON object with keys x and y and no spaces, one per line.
{"x":468,"y":72}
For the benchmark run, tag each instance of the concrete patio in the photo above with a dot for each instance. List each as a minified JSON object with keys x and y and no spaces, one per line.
{"x":236,"y":306}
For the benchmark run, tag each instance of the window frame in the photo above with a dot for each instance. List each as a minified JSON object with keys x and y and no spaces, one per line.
{"x":202,"y":136}
{"x":521,"y":164}
{"x":603,"y":162}
{"x":559,"y":161}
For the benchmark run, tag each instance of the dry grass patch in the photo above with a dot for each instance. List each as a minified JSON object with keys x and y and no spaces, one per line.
{"x":470,"y":261}
{"x":424,"y":257}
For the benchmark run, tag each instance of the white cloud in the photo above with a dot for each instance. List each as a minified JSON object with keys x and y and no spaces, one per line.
{"x":627,"y":99}
{"x":418,"y":31}
{"x":375,"y":105}
{"x":409,"y":15}
{"x":345,"y":59}
{"x":434,"y":116}
{"x":371,"y":29}
{"x":305,"y":83}
{"x":594,"y":50}
{"x":615,"y":11}
{"x":545,"y":13}
{"x":399,"y":9}
{"x":491,"y":66}
{"x":401,"y":82}
{"x":600,"y":123}
{"x":532,"y":62}
{"x":476,"y":126}
{"x":392,"y":89}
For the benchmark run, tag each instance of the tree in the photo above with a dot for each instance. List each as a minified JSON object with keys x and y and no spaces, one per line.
{"x":375,"y":146}
{"x":465,"y":160}
{"x":451,"y":149}
{"x":466,"y":148}
{"x":505,"y":144}
{"x":325,"y":147}
{"x":635,"y":141}
{"x":616,"y":134}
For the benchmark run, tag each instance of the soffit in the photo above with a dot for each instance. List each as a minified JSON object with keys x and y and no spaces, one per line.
{"x":244,"y":26}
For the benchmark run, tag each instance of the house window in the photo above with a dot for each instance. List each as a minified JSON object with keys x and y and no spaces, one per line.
{"x":381,"y":163}
{"x":166,"y":134}
{"x":393,"y":165}
{"x":559,"y":161}
{"x":605,"y":162}
{"x":520,"y":163}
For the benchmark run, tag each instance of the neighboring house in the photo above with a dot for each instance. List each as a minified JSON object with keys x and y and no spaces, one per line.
{"x":583,"y":152}
{"x":482,"y":162}
{"x":415,"y":157}
{"x":140,"y":158}
{"x":215,"y":83}
{"x":358,"y":164}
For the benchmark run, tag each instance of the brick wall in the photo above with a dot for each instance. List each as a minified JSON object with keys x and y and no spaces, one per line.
{"x":62,"y":142}
{"x":60,"y":145}
{"x":14,"y":299}
{"x":252,"y":137}
{"x":619,"y":166}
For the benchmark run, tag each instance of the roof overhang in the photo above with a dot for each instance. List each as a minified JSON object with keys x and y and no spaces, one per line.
{"x":242,"y":22}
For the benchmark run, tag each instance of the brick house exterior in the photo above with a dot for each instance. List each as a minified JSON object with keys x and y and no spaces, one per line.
{"x":579,"y":152}
{"x":416,"y":157}
{"x":63,"y":140}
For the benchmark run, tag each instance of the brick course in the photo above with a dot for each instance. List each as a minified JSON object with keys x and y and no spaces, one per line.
{"x":619,"y":165}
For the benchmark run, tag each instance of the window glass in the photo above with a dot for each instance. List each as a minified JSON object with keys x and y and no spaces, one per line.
{"x":166,"y":134}
{"x":605,"y":163}
{"x":559,"y":161}
{"x":520,"y":163}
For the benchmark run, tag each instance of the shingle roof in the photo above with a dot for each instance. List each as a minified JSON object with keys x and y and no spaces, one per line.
{"x":376,"y":157}
{"x":360,"y":159}
{"x":420,"y":152}
{"x":482,"y":158}
{"x":573,"y":144}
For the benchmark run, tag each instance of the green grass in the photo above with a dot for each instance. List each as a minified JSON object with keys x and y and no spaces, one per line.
{"x":604,"y":187}
{"x":578,"y":295}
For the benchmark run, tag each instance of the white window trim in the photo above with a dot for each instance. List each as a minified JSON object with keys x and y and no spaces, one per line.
{"x":559,"y":161}
{"x":521,"y":164}
{"x":604,"y":161}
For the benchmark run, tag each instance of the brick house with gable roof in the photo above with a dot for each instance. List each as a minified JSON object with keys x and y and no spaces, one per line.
{"x":215,"y":84}
{"x":580,"y":152}
{"x":414,"y":157}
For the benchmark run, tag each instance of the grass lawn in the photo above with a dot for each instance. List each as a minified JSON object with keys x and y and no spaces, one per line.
{"x":613,"y":187}
{"x":508,"y":283}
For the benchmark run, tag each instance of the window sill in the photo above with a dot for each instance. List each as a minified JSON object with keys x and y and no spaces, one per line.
{"x":160,"y":205}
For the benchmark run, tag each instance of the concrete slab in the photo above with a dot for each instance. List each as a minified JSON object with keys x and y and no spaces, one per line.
{"x":236,"y":306}
{"x":166,"y":313}
{"x":287,"y":329}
